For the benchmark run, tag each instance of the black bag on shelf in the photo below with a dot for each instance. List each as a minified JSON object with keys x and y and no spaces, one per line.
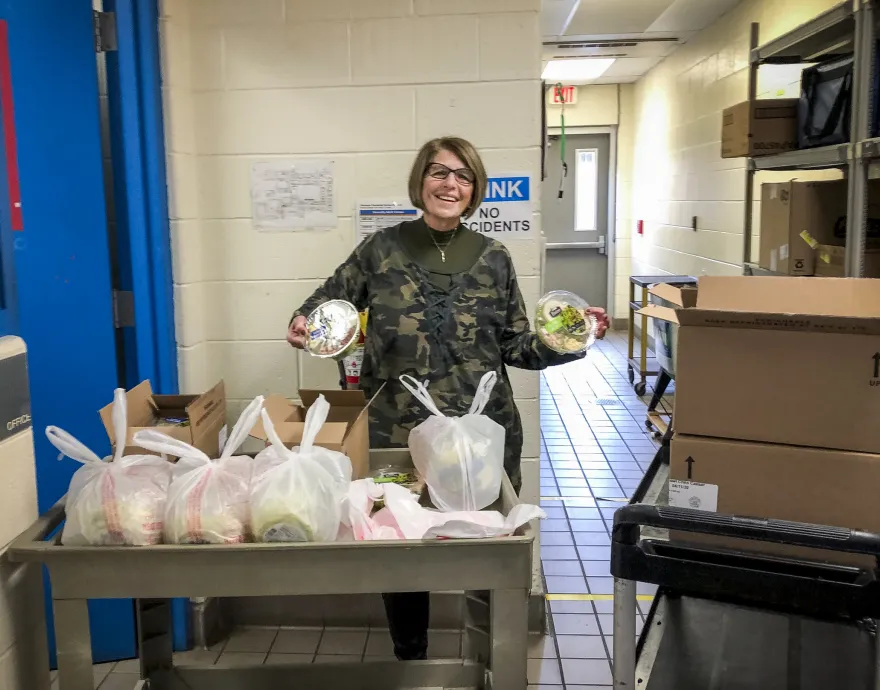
{"x":825,"y":103}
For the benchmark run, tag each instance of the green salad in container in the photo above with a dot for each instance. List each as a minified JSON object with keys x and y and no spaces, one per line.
{"x":563,"y":324}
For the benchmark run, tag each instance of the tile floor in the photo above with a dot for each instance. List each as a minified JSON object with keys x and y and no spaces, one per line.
{"x":594,"y":450}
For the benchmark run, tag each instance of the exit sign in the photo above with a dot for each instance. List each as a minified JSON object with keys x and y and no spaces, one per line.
{"x":563,"y":94}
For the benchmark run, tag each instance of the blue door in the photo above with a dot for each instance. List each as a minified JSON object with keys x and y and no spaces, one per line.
{"x":60,"y":247}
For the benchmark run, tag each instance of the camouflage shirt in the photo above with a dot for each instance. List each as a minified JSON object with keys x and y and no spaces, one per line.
{"x":449,"y":338}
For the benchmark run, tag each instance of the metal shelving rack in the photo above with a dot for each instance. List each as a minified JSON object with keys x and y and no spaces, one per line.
{"x":846,"y":28}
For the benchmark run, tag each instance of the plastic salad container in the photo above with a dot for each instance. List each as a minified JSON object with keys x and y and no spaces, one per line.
{"x":563,"y":324}
{"x":333,"y":329}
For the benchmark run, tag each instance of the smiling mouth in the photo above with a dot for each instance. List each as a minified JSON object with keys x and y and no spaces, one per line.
{"x":447,"y":199}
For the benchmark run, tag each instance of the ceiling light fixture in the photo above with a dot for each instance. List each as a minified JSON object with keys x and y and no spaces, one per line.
{"x":580,"y":69}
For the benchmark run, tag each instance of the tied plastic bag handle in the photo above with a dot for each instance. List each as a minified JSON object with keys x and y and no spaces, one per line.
{"x":484,"y":392}
{"x":243,"y":427}
{"x":120,"y":422}
{"x":158,"y":442}
{"x":273,"y":437}
{"x":420,"y":393}
{"x":315,"y":418}
{"x":71,"y":447}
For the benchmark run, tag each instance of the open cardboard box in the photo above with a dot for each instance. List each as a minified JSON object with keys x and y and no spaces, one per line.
{"x":780,"y":360}
{"x":206,"y":413}
{"x":666,"y":299}
{"x":346,"y":430}
{"x":814,"y":485}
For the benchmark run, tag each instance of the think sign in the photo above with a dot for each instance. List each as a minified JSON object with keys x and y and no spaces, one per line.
{"x":506,"y":211}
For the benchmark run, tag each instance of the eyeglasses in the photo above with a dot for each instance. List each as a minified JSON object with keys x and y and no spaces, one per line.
{"x":439,"y":171}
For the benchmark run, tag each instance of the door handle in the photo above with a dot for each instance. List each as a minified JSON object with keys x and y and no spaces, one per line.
{"x":598,"y":244}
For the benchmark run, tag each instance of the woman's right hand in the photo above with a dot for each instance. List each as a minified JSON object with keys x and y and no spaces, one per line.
{"x":296,"y":332}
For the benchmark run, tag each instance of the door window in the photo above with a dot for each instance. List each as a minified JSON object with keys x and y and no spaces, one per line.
{"x":586,"y":179}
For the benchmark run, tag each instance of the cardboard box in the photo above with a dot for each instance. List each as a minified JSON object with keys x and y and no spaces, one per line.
{"x":760,"y":128}
{"x":346,"y":430}
{"x":206,"y":413}
{"x":831,"y":262}
{"x":666,"y":332}
{"x":780,"y":360}
{"x":823,"y":487}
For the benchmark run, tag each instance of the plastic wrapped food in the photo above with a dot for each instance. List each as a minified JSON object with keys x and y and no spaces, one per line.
{"x":298,"y":494}
{"x":208,"y":500}
{"x":118,"y":501}
{"x":333,"y":329}
{"x":563,"y":324}
{"x":460,"y":458}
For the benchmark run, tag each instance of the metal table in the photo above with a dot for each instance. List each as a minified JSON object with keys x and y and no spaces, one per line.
{"x":735,"y":620}
{"x":154,"y":575}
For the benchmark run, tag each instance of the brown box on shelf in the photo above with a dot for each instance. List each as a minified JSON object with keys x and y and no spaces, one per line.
{"x":205,"y":414}
{"x":781,"y":482}
{"x":781,"y":360}
{"x":761,"y":128}
{"x":796,"y":217}
{"x":831,"y":261}
{"x":346,"y":430}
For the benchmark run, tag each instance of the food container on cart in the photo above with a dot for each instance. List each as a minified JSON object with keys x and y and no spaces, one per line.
{"x":332,"y":330}
{"x":665,"y":337}
{"x":563,"y":324}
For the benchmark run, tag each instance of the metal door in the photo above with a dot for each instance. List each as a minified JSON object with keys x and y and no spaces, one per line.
{"x":577,"y":226}
{"x":61,"y":252}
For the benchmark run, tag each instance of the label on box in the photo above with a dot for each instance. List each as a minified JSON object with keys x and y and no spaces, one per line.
{"x":809,"y":239}
{"x":825,"y":256}
{"x":696,"y":495}
{"x":774,"y":260}
{"x":783,"y":252}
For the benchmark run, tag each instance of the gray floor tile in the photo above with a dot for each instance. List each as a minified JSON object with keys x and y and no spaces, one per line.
{"x":557,"y":606}
{"x":582,"y":647}
{"x":282,"y":659}
{"x":544,"y":672}
{"x":542,"y":647}
{"x":346,"y":642}
{"x":120,"y":681}
{"x":606,"y":623}
{"x":592,"y":538}
{"x":596,"y":525}
{"x":558,"y":553}
{"x":575,"y":624}
{"x":238,"y":659}
{"x":197,"y":657}
{"x":555,"y":525}
{"x":586,"y":671}
{"x":601,"y":585}
{"x":296,"y":641}
{"x":570,"y":568}
{"x":101,"y":671}
{"x":556,"y":539}
{"x":566,"y":585}
{"x":337,"y":658}
{"x":594,"y":553}
{"x":251,"y":640}
{"x":379,"y":643}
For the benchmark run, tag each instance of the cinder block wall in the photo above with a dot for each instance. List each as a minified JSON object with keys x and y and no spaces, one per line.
{"x":364,"y":82}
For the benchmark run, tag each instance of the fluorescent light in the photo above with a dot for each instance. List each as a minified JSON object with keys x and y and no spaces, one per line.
{"x":579,"y":69}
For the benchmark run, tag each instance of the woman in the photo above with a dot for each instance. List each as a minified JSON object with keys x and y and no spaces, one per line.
{"x":445,"y":308}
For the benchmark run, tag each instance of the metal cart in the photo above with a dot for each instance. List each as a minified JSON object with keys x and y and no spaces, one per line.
{"x":154,"y":575}
{"x":736,"y":620}
{"x":644,"y":365}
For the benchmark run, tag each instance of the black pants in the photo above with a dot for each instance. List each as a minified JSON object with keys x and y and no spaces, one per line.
{"x":408,"y":614}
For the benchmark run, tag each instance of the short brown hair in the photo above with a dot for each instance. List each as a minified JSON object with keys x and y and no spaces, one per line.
{"x":466,"y":151}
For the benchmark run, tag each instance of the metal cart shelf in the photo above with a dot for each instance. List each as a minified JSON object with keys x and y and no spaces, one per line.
{"x":738,"y":620}
{"x":846,"y":28}
{"x":154,"y":575}
{"x":645,"y":366}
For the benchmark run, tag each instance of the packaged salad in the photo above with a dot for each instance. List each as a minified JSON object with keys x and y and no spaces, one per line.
{"x":333,"y":329}
{"x":562,"y":323}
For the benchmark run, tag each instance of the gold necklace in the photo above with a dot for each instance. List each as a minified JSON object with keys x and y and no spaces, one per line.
{"x":442,"y":249}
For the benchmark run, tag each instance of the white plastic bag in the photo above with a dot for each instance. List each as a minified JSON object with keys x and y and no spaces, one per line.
{"x":208,"y":501}
{"x":461,"y":458}
{"x":298,"y":494}
{"x":357,"y":508}
{"x":403,"y":516}
{"x":116,"y":501}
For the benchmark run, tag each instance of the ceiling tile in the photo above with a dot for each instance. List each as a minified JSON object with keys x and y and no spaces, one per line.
{"x":554,"y":15}
{"x":692,"y":15}
{"x":616,"y":16}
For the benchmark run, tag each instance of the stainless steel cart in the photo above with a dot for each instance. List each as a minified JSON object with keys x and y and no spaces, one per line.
{"x":154,"y":575}
{"x":737,"y":620}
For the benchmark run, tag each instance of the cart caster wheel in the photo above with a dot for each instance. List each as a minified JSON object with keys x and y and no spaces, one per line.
{"x":648,"y":424}
{"x":640,"y":388}
{"x":657,"y":434}
{"x":630,"y":374}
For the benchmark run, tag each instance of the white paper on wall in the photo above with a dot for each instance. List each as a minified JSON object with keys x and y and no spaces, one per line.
{"x":291,"y":195}
{"x":373,"y":216}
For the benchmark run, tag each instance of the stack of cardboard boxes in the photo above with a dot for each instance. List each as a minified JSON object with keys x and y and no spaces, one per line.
{"x":777,"y":401}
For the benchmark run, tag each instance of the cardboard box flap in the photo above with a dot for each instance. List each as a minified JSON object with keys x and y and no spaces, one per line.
{"x":684,"y":296}
{"x":655,"y":311}
{"x":349,"y":398}
{"x":137,"y":406}
{"x":207,"y":406}
{"x":814,"y":323}
{"x":838,"y":297}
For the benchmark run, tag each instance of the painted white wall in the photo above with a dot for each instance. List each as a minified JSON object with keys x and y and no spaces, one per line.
{"x":610,"y":105}
{"x":365,"y":83}
{"x":677,"y":172}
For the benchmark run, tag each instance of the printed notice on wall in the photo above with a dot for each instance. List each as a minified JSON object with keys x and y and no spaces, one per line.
{"x":685,"y":494}
{"x":373,"y":216}
{"x":293,"y":195}
{"x":506,"y":211}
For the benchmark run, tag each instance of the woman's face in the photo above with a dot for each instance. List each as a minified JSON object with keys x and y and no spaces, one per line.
{"x":446,"y":192}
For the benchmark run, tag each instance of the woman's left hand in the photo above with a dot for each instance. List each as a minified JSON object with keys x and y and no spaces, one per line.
{"x":602,"y":322}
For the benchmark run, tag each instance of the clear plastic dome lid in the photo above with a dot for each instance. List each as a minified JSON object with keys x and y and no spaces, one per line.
{"x":333,"y":329}
{"x":563,"y":324}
